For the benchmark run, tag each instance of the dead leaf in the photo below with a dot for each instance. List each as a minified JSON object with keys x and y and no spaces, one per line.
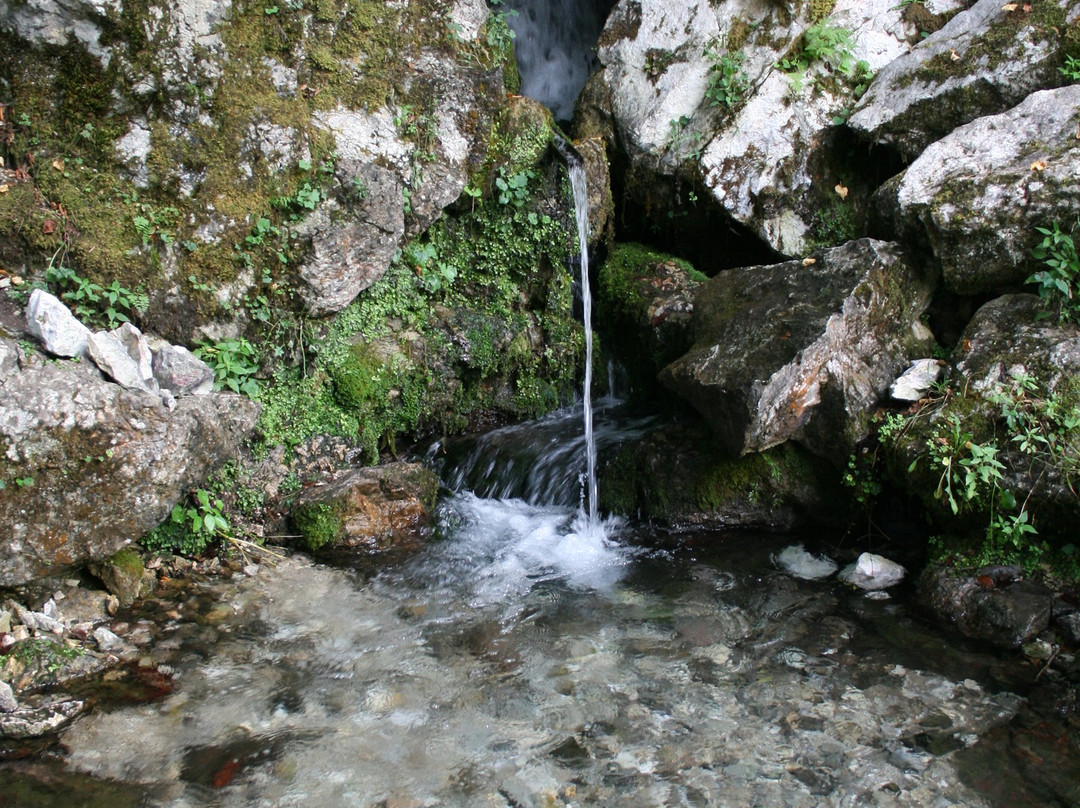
{"x":841,"y":191}
{"x":809,"y":262}
{"x":48,"y":227}
{"x":954,"y":55}
{"x":17,"y":280}
{"x":1010,"y":7}
{"x":4,"y":188}
{"x":1038,"y":165}
{"x":58,"y":164}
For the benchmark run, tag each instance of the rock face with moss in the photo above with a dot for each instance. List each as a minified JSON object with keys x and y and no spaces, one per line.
{"x":802,"y":351}
{"x":985,"y":60}
{"x":89,"y":467}
{"x":645,"y":303}
{"x":678,"y":476}
{"x":976,"y":196}
{"x":368,"y":510}
{"x":745,"y":96}
{"x":1014,"y":395}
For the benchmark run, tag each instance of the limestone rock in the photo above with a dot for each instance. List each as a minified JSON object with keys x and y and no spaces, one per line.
{"x":982,"y":62}
{"x":873,"y":572}
{"x":1005,"y":342}
{"x":916,"y":381}
{"x":1005,"y":616}
{"x":55,"y":326}
{"x":801,"y":351}
{"x":8,"y":704}
{"x":112,"y":358}
{"x":104,"y":465}
{"x":367,"y":510}
{"x":762,"y":157}
{"x":180,"y":372}
{"x":37,"y":721}
{"x":122,"y":575}
{"x":977,"y":195}
{"x":348,"y":256}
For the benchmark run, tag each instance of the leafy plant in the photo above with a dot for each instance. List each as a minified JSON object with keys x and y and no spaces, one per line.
{"x":727,"y":81}
{"x":1057,"y":283}
{"x":108,"y":305}
{"x":514,"y":189}
{"x":1071,"y":68}
{"x":235,"y":363}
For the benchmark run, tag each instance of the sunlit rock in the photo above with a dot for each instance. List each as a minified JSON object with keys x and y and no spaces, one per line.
{"x":51,"y":322}
{"x":976,"y":196}
{"x":984,"y":61}
{"x":93,"y":467}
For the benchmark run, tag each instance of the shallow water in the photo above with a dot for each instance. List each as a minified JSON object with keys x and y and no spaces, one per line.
{"x":526,"y":661}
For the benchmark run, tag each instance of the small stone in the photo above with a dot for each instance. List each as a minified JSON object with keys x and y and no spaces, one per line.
{"x":1069,"y":627}
{"x":5,"y":622}
{"x":796,"y":561}
{"x":106,"y":640}
{"x":8,"y":704}
{"x":20,"y":633}
{"x":873,"y":572}
{"x":112,"y":358}
{"x":915,"y":382}
{"x":180,"y":372}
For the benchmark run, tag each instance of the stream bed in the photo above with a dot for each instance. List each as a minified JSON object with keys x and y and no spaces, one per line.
{"x":528,"y":660}
{"x":531,"y":657}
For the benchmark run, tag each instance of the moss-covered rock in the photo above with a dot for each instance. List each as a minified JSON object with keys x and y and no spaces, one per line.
{"x":678,"y":476}
{"x":368,"y":510}
{"x":644,"y":304}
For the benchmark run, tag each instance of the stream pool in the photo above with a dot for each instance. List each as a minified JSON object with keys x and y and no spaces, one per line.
{"x":529,"y":658}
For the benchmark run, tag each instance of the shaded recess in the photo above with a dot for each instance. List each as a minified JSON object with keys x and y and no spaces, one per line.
{"x":556,"y":48}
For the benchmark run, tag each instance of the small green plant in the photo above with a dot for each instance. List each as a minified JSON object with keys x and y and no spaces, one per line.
{"x":514,"y":189}
{"x":1057,"y":283}
{"x":727,"y":81}
{"x":1071,"y":68}
{"x":235,"y":363}
{"x":107,"y":305}
{"x":203,"y":516}
{"x":832,"y":46}
{"x":968,"y":469}
{"x":48,"y":655}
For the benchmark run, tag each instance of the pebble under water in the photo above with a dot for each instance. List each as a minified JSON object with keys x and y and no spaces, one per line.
{"x":527,"y":660}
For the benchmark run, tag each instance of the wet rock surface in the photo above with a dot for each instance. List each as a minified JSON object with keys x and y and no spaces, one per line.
{"x":1005,"y":615}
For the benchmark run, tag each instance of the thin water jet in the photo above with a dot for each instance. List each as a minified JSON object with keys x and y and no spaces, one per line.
{"x":576,"y":168}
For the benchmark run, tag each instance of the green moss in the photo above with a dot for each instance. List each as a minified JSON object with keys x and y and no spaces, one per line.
{"x":820,"y":9}
{"x":318,"y":524}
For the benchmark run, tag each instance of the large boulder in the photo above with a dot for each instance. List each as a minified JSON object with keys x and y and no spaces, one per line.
{"x":90,"y":467}
{"x":982,"y":62}
{"x":1009,"y":364}
{"x":977,"y":606}
{"x":802,"y":350}
{"x":701,"y":85}
{"x":977,"y":195}
{"x":368,"y":510}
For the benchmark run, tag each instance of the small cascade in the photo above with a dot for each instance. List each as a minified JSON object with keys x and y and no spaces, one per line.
{"x":576,"y":167}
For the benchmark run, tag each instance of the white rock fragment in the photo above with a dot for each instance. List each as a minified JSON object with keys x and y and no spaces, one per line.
{"x":112,"y":357}
{"x":8,"y":704}
{"x":872,"y":572}
{"x":106,"y":640}
{"x":796,"y":560}
{"x":915,"y":382}
{"x":53,"y":324}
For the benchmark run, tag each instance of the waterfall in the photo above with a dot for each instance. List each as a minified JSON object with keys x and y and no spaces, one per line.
{"x":576,"y":167}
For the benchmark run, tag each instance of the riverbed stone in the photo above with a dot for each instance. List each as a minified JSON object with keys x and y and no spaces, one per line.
{"x":33,"y":722}
{"x":1004,"y":616}
{"x":368,"y":510}
{"x":802,"y":350}
{"x":123,"y":574}
{"x":985,"y":60}
{"x":976,"y":197}
{"x":8,"y":703}
{"x":100,"y":465}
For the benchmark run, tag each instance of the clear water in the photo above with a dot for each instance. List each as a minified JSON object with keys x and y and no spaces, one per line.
{"x":532,"y":657}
